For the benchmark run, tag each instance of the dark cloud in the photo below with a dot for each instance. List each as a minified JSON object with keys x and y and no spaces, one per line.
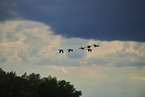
{"x":75,"y":55}
{"x":97,"y":19}
{"x":3,"y":60}
{"x":7,"y":10}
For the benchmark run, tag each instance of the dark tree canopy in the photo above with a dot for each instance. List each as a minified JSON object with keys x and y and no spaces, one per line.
{"x":12,"y":85}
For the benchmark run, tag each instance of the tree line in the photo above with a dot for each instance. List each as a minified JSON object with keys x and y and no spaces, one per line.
{"x":33,"y":85}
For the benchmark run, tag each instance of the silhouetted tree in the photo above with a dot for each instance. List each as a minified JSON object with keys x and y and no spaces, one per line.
{"x":48,"y":87}
{"x":12,"y":85}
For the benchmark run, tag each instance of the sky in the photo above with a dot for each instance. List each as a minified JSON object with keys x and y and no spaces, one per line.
{"x":32,"y":31}
{"x":97,"y":19}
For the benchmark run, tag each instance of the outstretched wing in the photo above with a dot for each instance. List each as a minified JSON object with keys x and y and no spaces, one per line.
{"x":96,"y":45}
{"x":70,"y":50}
{"x":82,"y":48}
{"x":60,"y":51}
{"x":89,"y":46}
{"x":89,"y":50}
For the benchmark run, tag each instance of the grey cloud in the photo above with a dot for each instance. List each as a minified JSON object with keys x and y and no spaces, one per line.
{"x":57,"y":61}
{"x":11,"y":37}
{"x":109,"y":20}
{"x":3,"y":60}
{"x":33,"y":51}
{"x":7,"y":10}
{"x":24,"y":57}
{"x":76,"y":54}
{"x":129,"y":63}
{"x":98,"y":61}
{"x":34,"y":41}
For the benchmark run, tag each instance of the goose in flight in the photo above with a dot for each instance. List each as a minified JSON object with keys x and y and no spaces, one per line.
{"x":89,"y":46}
{"x":89,"y":50}
{"x":82,"y":48}
{"x":60,"y":50}
{"x":70,"y":50}
{"x":96,"y":45}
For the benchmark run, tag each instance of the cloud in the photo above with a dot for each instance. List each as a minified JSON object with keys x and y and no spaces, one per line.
{"x":7,"y":10}
{"x":119,"y":53}
{"x":29,"y":42}
{"x":140,"y":78}
{"x":86,"y":19}
{"x":63,"y":70}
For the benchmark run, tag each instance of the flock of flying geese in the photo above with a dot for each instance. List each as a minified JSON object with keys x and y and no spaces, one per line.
{"x":88,"y":48}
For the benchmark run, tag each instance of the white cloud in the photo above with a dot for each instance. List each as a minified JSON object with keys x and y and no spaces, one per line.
{"x":64,"y":70}
{"x":140,"y":78}
{"x":29,"y":42}
{"x":118,"y":53}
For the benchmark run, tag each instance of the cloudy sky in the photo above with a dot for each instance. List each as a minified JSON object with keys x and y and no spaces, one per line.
{"x":32,"y":31}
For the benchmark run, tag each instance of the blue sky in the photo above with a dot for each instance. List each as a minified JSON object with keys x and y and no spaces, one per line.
{"x":32,"y":31}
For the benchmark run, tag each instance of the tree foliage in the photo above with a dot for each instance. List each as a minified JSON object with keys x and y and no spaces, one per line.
{"x":32,"y":85}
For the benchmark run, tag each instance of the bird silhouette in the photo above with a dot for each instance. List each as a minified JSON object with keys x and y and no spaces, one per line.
{"x":82,"y":48}
{"x":70,"y":50}
{"x":96,"y":45}
{"x":60,"y":50}
{"x":89,"y":46}
{"x":89,"y":50}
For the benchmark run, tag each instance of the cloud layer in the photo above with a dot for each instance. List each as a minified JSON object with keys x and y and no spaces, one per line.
{"x":29,"y":42}
{"x":105,"y":20}
{"x":116,"y":68}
